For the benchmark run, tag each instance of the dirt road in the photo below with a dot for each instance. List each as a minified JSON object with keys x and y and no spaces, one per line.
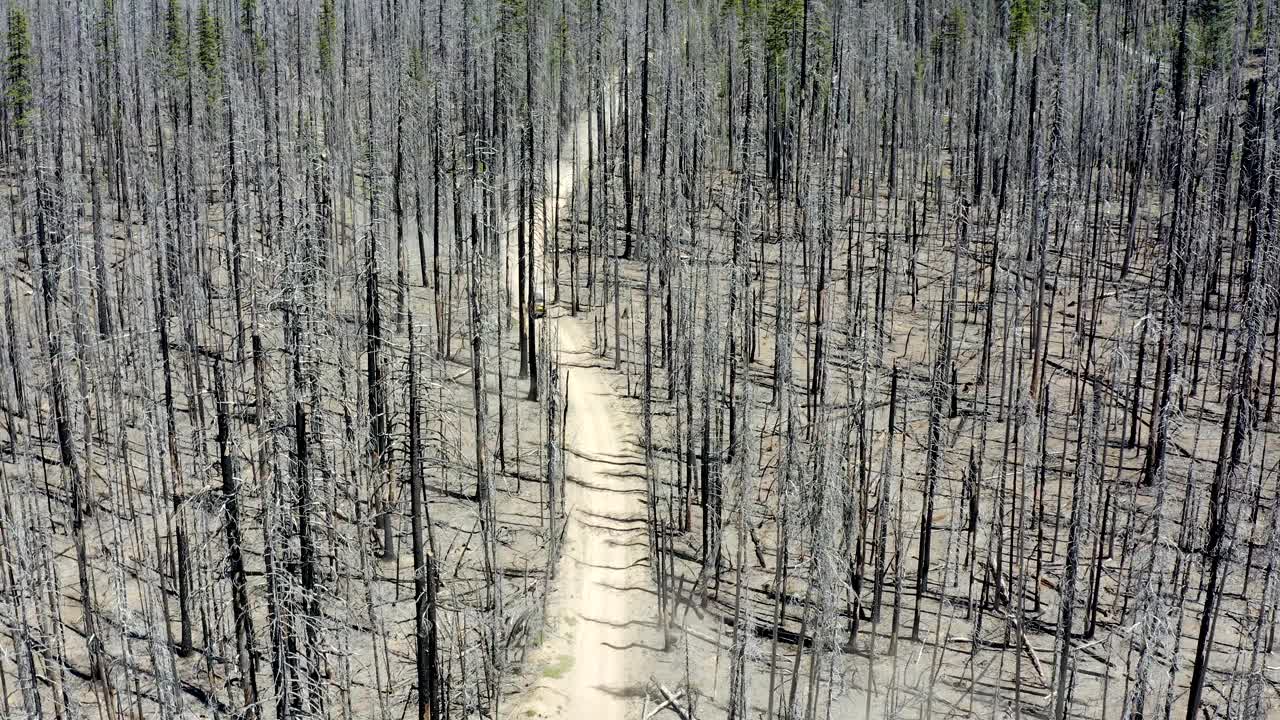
{"x":602,"y":631}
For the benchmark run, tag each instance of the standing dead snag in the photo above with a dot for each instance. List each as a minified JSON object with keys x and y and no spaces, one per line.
{"x":557,"y":408}
{"x":1081,"y":498}
{"x":484,"y":485}
{"x":424,"y":573}
{"x":531,"y":309}
{"x":379,"y":441}
{"x":938,"y":391}
{"x":241,"y":610}
{"x":182,"y":559}
{"x":307,"y":562}
{"x":77,"y":485}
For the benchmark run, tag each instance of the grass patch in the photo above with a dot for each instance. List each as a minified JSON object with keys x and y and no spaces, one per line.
{"x":557,"y":668}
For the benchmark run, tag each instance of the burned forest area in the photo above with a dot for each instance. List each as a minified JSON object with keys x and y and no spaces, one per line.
{"x":639,"y":359}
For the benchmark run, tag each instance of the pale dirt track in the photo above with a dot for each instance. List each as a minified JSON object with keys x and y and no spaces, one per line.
{"x":602,"y":627}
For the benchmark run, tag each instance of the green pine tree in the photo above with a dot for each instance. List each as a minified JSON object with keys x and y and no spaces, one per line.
{"x":952,"y":35}
{"x":1216,"y":23}
{"x":782,"y":26}
{"x":175,"y":40}
{"x":1022,"y":20}
{"x":18,"y":68}
{"x":106,"y":26}
{"x":209,"y":45}
{"x":417,"y":70}
{"x":328,"y":31}
{"x":257,"y":42}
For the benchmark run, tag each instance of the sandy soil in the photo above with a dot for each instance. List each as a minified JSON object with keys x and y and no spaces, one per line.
{"x":602,"y":625}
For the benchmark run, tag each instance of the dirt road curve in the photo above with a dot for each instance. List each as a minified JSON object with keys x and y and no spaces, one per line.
{"x":602,"y":631}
